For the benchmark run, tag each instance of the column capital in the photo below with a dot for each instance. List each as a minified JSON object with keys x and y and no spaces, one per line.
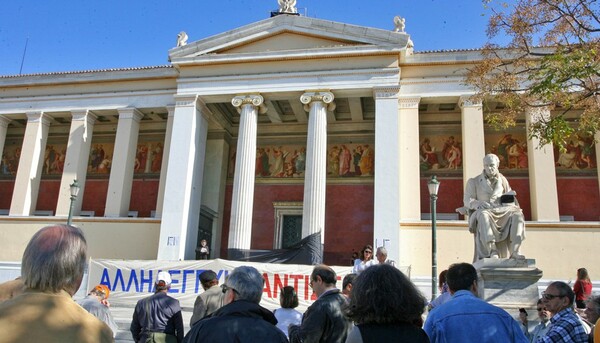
{"x":38,"y":117}
{"x":409,"y":101}
{"x":325,"y":97}
{"x":83,"y":115}
{"x":171,"y":111}
{"x":255,"y":100}
{"x":4,"y":121}
{"x":468,"y":101}
{"x":386,"y":92}
{"x":130,"y":113}
{"x":185,"y":100}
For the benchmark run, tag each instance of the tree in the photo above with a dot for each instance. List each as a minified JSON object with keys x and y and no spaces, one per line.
{"x":551,"y":60}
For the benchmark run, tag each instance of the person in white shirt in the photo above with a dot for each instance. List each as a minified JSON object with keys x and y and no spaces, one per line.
{"x":287,"y":314}
{"x":366,"y":259}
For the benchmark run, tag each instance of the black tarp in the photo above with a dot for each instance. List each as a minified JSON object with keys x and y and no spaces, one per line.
{"x":308,"y":251}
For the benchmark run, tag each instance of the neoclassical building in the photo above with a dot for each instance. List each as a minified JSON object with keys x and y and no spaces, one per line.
{"x":257,"y":137}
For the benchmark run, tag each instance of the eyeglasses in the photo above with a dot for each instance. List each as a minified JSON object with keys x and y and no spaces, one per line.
{"x":368,"y":252}
{"x":547,"y":296}
{"x":225,"y":288}
{"x":541,"y":309}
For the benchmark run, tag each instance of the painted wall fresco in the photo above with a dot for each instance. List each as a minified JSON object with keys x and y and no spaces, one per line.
{"x":148,"y":158}
{"x":289,"y":161}
{"x":10,"y":158}
{"x":511,"y":149}
{"x":100,"y":158}
{"x":580,"y":155}
{"x":54,"y":159}
{"x":440,"y":152}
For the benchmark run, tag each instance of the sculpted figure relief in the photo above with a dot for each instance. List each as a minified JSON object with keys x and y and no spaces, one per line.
{"x":182,"y":38}
{"x":287,"y":6}
{"x":495,"y":217}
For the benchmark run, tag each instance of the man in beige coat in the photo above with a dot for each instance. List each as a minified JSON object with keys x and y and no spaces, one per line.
{"x":210,"y":300}
{"x":52,"y":270}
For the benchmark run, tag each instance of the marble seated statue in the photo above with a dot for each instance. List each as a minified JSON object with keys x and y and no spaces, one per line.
{"x":495,"y":218}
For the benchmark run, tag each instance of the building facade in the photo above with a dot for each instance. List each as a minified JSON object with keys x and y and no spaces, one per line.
{"x":263,"y":135}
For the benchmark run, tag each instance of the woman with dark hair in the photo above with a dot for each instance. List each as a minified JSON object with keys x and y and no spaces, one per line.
{"x":365,"y":260}
{"x":287,"y":315}
{"x":386,"y":307}
{"x":582,"y":287}
{"x":444,"y":291}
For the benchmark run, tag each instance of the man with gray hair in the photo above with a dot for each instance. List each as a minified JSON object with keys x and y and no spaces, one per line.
{"x":382,"y":255}
{"x":241,"y":319}
{"x":592,"y":314}
{"x":565,"y":326}
{"x":51,"y":269}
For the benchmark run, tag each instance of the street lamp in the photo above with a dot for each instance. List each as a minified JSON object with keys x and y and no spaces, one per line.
{"x":433,"y":185}
{"x":74,"y":188}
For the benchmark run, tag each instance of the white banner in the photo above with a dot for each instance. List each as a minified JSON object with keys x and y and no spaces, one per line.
{"x":131,"y":280}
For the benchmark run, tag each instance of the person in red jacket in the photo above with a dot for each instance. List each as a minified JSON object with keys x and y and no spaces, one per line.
{"x":582,"y":287}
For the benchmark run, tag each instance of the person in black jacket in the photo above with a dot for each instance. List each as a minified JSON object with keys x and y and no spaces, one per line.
{"x":158,"y":316}
{"x":324,"y":321}
{"x":242,"y":319}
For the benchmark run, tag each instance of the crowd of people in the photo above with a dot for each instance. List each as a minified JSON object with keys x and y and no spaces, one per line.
{"x":376,"y":303}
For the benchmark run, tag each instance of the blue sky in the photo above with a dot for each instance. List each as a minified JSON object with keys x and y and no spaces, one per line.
{"x":99,"y":34}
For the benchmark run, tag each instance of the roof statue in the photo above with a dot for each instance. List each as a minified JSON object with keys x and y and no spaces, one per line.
{"x":400,"y":24}
{"x":182,"y":38}
{"x":287,"y":6}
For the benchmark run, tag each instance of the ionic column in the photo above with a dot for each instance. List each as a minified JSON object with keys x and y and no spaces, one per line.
{"x":165,"y":162}
{"x":27,"y":182}
{"x":410,"y":173}
{"x":183,"y":184}
{"x":121,"y":172}
{"x":76,"y":161}
{"x":313,"y":212}
{"x":3,"y":131}
{"x":240,"y":227}
{"x":473,"y":147}
{"x":542,"y":173}
{"x":386,"y":218}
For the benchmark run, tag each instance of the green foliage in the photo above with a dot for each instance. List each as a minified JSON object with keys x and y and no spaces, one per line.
{"x":552,"y":61}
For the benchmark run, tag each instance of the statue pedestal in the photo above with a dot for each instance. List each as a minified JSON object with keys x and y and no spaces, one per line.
{"x":507,"y":283}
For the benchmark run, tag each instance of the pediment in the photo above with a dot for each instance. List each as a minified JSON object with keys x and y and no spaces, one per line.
{"x":286,"y":36}
{"x":285,"y":41}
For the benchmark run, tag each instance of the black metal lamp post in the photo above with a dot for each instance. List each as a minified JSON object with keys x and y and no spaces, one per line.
{"x":433,"y":185}
{"x":74,"y":187}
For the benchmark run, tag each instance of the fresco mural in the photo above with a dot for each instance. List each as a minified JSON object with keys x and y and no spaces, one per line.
{"x":54,"y":159}
{"x":10,"y":158}
{"x":148,"y":157}
{"x":289,"y":161}
{"x":580,"y":155}
{"x":440,"y":152}
{"x":100,"y":158}
{"x":511,"y":149}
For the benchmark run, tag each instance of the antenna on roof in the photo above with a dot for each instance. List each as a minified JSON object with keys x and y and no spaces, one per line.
{"x":23,"y":59}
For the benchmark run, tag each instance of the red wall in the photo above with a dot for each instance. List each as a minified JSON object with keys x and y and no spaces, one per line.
{"x":144,"y":193}
{"x":6,"y":192}
{"x":348,"y":221}
{"x":579,"y":197}
{"x":48,"y":195}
